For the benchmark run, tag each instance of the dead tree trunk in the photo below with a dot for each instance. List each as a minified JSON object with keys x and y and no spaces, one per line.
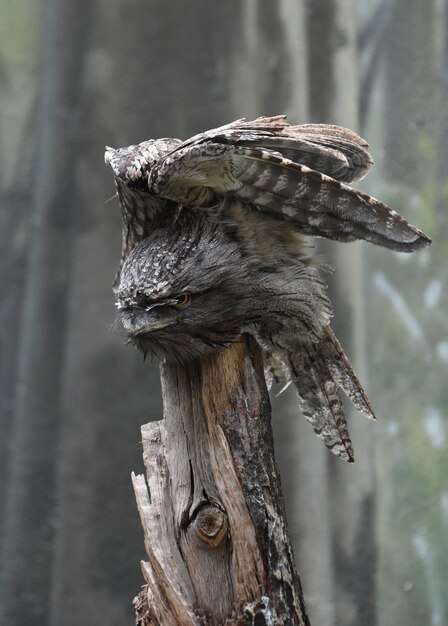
{"x":212,"y":513}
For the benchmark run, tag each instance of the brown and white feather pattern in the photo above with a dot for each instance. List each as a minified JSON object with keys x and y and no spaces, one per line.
{"x":319,"y":372}
{"x":221,"y":217}
{"x":312,"y":202}
{"x":139,"y":209}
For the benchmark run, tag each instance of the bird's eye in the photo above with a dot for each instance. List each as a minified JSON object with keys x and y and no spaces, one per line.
{"x":183,"y":300}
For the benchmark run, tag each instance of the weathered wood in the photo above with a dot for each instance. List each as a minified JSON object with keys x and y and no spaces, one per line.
{"x":212,"y":513}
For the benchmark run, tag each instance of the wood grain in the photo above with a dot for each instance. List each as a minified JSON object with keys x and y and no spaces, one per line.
{"x":212,"y":510}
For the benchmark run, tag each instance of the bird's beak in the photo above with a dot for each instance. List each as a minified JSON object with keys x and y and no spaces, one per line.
{"x":152,"y":325}
{"x":139,"y":321}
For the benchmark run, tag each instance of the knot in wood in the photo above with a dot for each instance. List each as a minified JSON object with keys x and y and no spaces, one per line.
{"x":211,"y":525}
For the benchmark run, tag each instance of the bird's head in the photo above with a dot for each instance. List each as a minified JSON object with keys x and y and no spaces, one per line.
{"x":185,"y":290}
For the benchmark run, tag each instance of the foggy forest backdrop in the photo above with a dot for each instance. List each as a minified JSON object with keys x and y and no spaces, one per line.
{"x":75,"y":75}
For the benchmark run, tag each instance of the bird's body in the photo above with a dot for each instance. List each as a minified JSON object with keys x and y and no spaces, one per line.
{"x":213,"y":247}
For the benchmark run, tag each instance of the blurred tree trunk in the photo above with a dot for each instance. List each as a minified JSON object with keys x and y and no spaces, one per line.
{"x":18,"y":134}
{"x":409,"y":538}
{"x":333,"y":98}
{"x":40,"y":319}
{"x":408,"y":73}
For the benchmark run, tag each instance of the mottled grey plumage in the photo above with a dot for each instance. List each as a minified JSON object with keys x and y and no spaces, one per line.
{"x":213,"y":247}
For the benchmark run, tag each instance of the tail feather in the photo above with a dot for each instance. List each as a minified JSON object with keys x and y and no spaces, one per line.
{"x":319,"y":372}
{"x":343,"y":374}
{"x":320,"y":401}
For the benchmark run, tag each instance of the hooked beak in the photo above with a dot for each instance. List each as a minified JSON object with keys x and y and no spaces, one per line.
{"x":139,"y":320}
{"x":152,"y":324}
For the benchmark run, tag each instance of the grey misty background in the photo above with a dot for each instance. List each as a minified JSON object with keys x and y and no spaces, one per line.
{"x":371,"y":540}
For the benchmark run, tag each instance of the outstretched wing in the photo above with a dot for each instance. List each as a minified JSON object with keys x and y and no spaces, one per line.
{"x":289,"y":173}
{"x":332,"y":150}
{"x":266,"y":165}
{"x":139,"y":208}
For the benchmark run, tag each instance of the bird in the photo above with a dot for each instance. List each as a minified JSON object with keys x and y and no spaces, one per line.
{"x":215,"y":243}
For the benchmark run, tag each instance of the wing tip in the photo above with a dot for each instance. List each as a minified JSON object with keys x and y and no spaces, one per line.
{"x":111,"y":159}
{"x":108,"y":154}
{"x":423,"y":241}
{"x":420,"y":241}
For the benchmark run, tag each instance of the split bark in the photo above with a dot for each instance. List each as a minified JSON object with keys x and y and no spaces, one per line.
{"x":212,"y":510}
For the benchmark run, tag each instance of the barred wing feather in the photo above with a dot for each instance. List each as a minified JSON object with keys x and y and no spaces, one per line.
{"x":199,"y":175}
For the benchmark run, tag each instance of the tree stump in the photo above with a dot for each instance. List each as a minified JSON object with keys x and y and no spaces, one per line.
{"x":212,"y":510}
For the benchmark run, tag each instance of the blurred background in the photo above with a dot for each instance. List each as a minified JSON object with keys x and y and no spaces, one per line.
{"x":371,"y":540}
